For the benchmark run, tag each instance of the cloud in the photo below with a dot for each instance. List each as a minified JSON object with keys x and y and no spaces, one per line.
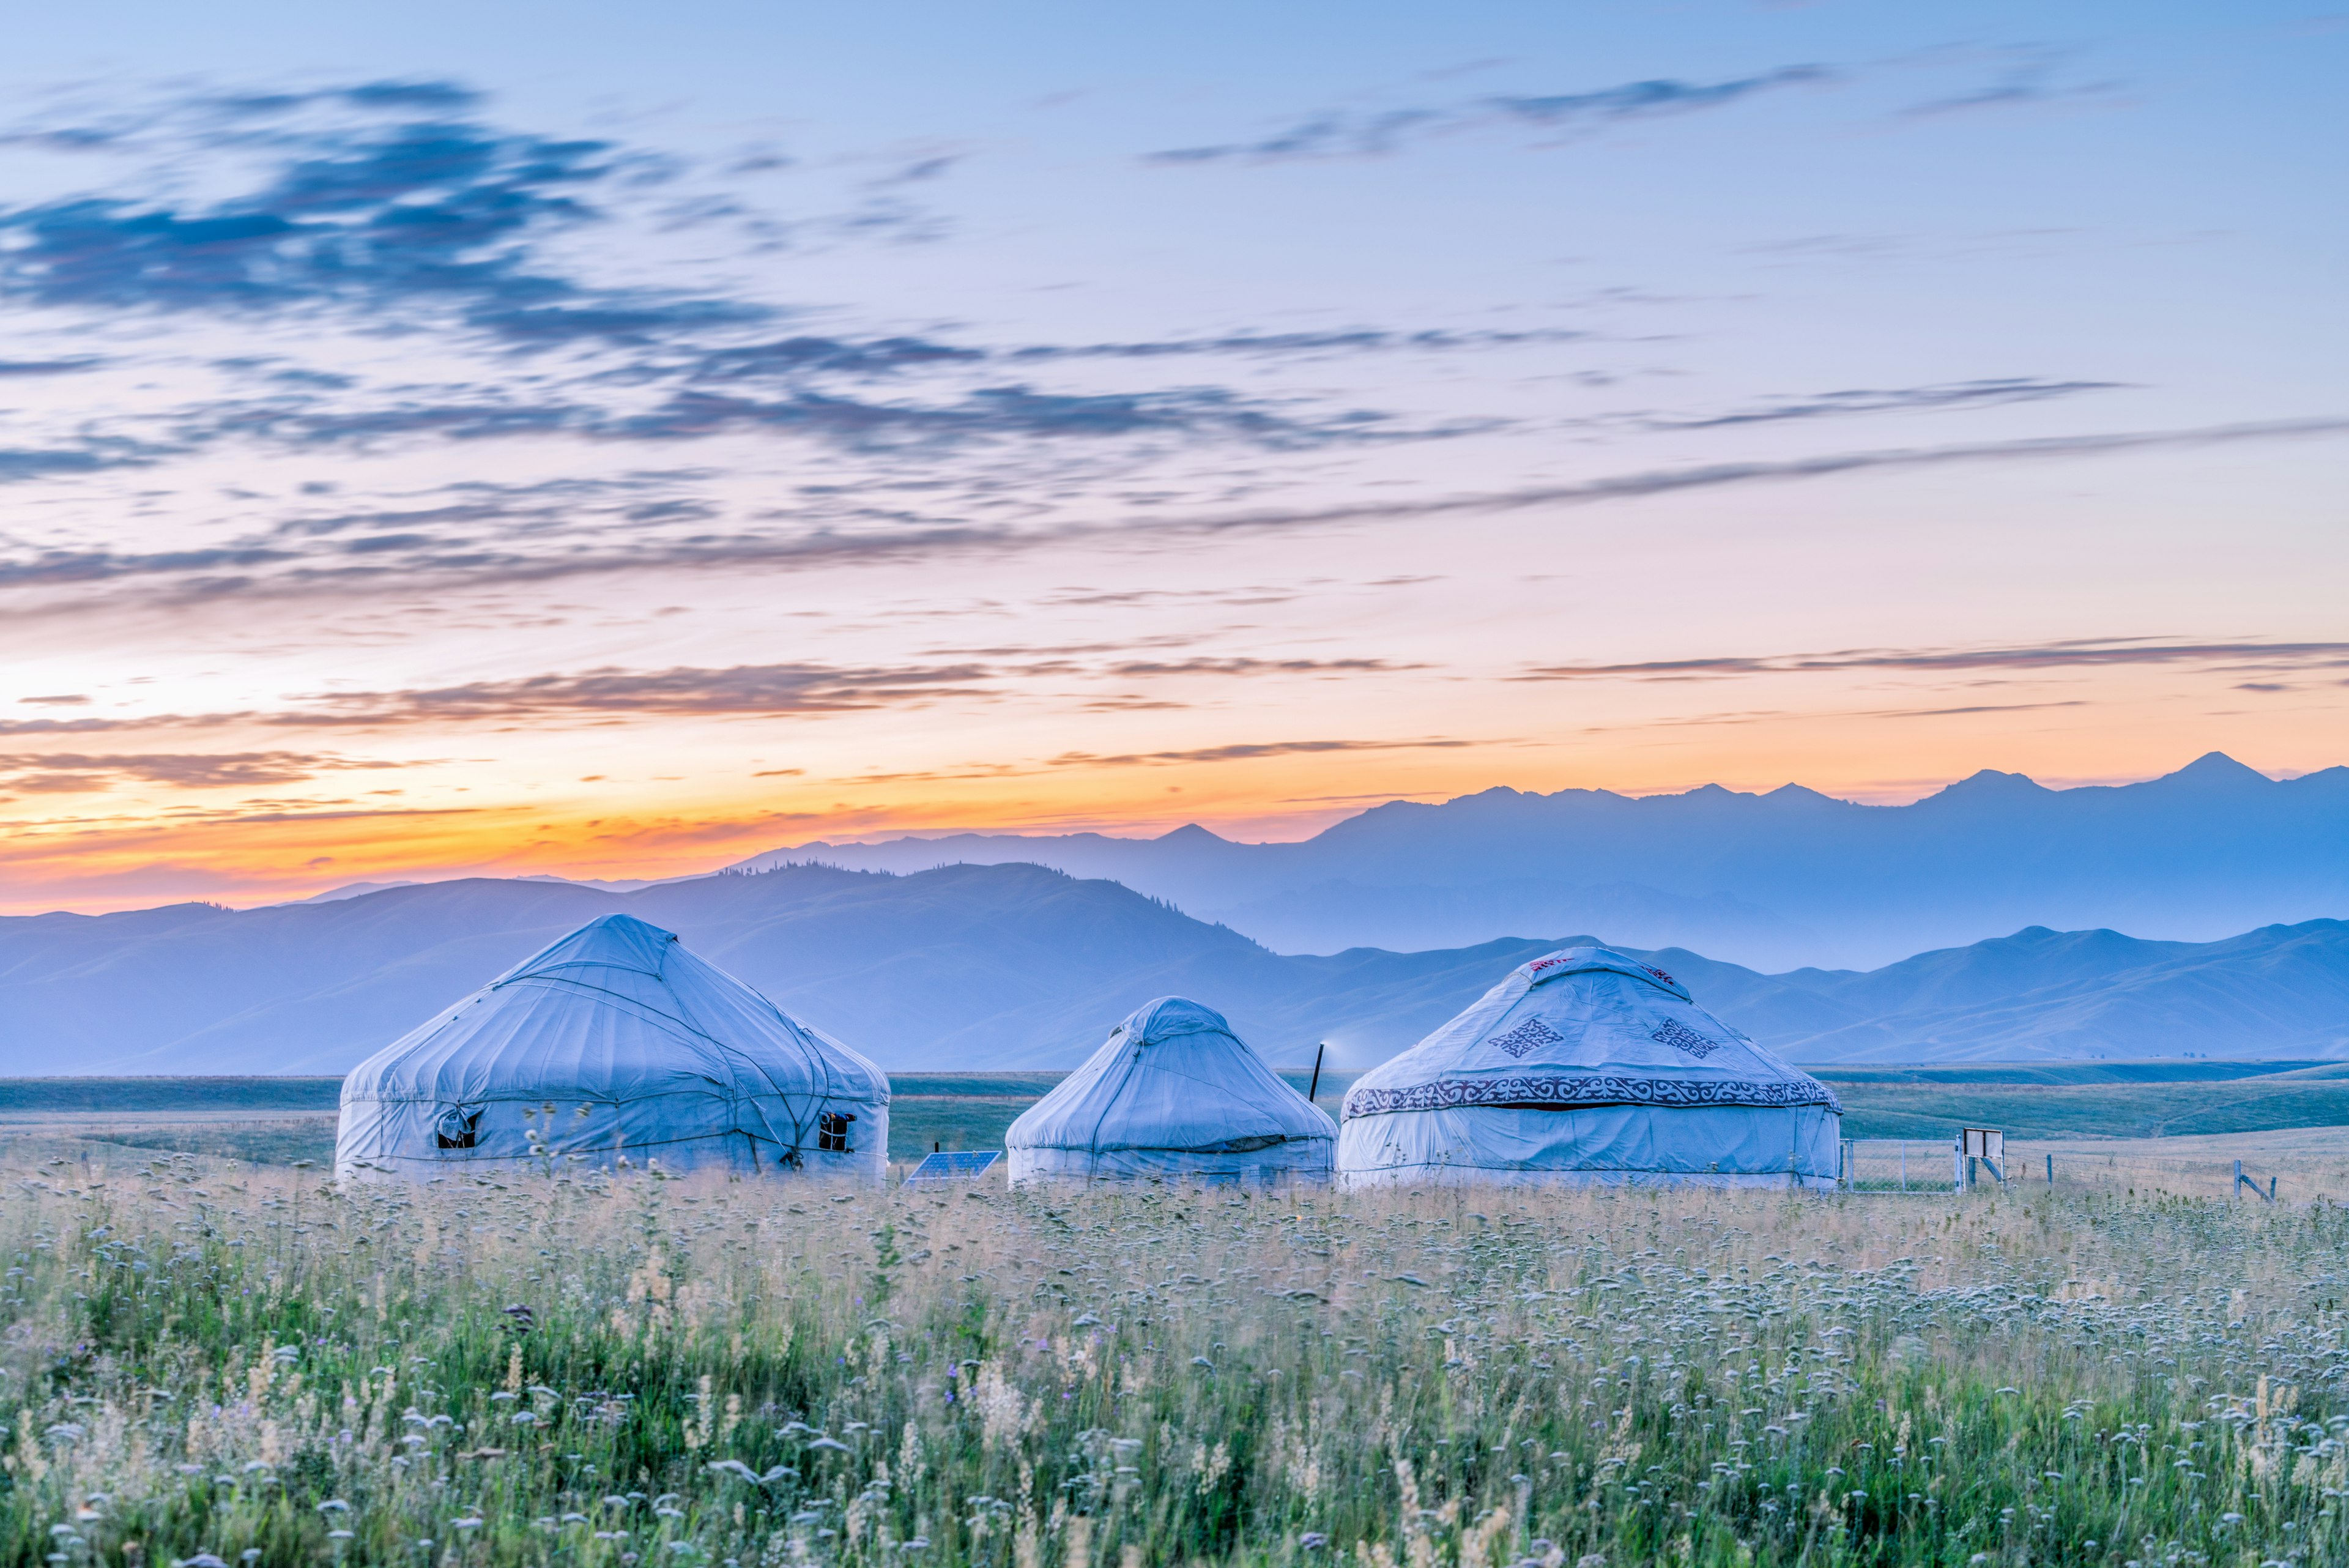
{"x":799,"y":357}
{"x":1249,"y":752}
{"x":2025,"y":79}
{"x":492,"y":534}
{"x":987,"y":413}
{"x":1340,"y":133}
{"x":765,"y":691}
{"x":93,"y":456}
{"x":810,"y":355}
{"x":436,"y":96}
{"x":2091,"y":651}
{"x":1898,"y":399}
{"x":998,"y":411}
{"x":1712,"y":476}
{"x":397,"y":200}
{"x":430,"y":211}
{"x":1363,"y":340}
{"x":761,"y":691}
{"x":1135,"y":668}
{"x":12,"y":369}
{"x":108,"y":726}
{"x":55,"y":568}
{"x":67,"y":772}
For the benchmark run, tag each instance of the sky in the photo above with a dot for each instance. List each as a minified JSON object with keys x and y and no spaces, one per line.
{"x":612,"y":441}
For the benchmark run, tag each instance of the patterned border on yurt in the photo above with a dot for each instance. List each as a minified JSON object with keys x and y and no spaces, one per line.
{"x":1563,"y":1092}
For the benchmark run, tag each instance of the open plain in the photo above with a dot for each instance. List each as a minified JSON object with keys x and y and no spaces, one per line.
{"x":225,"y":1361}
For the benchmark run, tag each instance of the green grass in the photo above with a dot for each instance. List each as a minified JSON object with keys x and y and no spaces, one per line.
{"x":949,"y":1121}
{"x":777,"y":1374}
{"x":171,"y":1094}
{"x":1914,"y":1110}
{"x":1029,"y":1086}
{"x":264,"y":1143}
{"x":971,"y":1110}
{"x":2165,"y":1071}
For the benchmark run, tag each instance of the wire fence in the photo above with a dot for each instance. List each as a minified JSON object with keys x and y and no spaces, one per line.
{"x":2137,"y":1167}
{"x":1897,"y":1165}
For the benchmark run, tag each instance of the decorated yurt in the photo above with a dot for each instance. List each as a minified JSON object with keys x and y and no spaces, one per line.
{"x":1588,"y":1066}
{"x":616,"y":1044}
{"x":1172,"y":1094}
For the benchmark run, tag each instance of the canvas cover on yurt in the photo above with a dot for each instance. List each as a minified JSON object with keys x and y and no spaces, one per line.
{"x":640,"y":1048}
{"x":1587,"y":1065}
{"x":1173,"y":1093}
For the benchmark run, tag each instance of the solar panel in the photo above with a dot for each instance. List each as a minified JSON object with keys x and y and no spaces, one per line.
{"x":964,"y":1165}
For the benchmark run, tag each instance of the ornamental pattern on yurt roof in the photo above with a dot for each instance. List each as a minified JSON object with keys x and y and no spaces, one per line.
{"x":1533,"y":1031}
{"x":1672,"y":1032}
{"x":1567,"y":1091}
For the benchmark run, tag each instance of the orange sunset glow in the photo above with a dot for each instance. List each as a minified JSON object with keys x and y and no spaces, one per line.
{"x":434,"y":473}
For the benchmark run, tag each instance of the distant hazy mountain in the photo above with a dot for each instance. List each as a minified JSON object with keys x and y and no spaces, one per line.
{"x":1015,"y":966}
{"x":1773,"y":881}
{"x":2274,"y":993}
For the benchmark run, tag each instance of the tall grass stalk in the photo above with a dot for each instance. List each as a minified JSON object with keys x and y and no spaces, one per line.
{"x":200,"y":1364}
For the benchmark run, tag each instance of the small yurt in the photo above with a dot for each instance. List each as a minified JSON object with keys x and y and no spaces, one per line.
{"x":1588,"y":1067}
{"x":1172,"y":1094}
{"x":615,"y":1042}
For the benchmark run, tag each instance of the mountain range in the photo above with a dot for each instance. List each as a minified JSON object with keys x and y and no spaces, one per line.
{"x":971,"y":966}
{"x":1772,"y":880}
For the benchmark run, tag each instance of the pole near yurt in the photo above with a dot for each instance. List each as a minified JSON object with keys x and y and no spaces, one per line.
{"x":1311,"y":1087}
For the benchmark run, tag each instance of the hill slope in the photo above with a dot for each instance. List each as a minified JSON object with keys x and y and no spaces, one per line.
{"x":1017,"y":967}
{"x":969,"y":966}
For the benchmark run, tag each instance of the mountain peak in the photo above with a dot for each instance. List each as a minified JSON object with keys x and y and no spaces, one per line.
{"x":1191,"y":832}
{"x":2217,"y":767}
{"x":1989,"y":783}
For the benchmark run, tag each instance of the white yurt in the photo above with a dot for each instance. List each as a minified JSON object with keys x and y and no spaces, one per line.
{"x":612,"y":1042}
{"x":1587,"y":1066}
{"x":1172,"y":1094}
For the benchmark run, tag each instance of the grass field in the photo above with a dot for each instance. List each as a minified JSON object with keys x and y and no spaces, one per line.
{"x":290,"y":1118}
{"x":2112,"y":1110}
{"x":200,"y":1363}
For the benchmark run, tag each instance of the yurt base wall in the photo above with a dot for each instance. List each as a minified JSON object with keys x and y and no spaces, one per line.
{"x":1613,"y":1145}
{"x":1307,"y":1161}
{"x":1481,"y":1176}
{"x":403,"y":1139}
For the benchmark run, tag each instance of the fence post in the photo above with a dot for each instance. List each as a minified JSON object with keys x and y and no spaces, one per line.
{"x":2051,"y":1170}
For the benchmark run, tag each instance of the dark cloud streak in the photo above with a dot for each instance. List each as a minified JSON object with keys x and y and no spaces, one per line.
{"x":758,"y":690}
{"x":1249,"y":752}
{"x":71,"y":773}
{"x":280,"y":565}
{"x":1898,"y":399}
{"x":2091,"y":651}
{"x":1346,"y":134}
